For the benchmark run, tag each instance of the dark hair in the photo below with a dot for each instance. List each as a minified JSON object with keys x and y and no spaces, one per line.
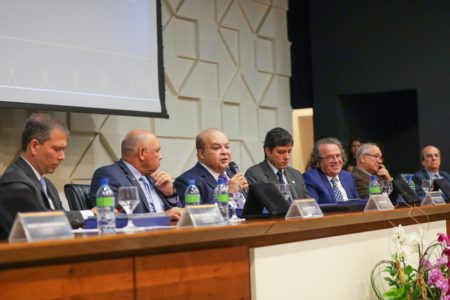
{"x":39,"y":126}
{"x":277,"y":137}
{"x":353,"y":139}
{"x":314,"y":160}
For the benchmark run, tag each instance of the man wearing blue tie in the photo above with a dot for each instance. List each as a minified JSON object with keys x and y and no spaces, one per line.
{"x":431,"y":162}
{"x":275,"y":167}
{"x":326,"y":181}
{"x":138,"y":167}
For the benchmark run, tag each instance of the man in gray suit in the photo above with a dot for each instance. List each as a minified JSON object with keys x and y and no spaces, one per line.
{"x":274,"y":169}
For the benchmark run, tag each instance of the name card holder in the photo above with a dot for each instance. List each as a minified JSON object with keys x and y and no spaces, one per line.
{"x":201,"y":216}
{"x":433,"y":198}
{"x":40,"y":226}
{"x":379,"y":202}
{"x":304,"y":208}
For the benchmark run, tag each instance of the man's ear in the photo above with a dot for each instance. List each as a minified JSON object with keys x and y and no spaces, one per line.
{"x":141,"y":153}
{"x":32,"y":145}
{"x":200,"y":154}
{"x":267,"y":151}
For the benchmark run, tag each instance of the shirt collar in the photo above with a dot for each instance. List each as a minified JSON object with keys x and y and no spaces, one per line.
{"x":432,"y":174}
{"x":38,"y":176}
{"x":364,"y":171}
{"x":211,"y":171}
{"x":136,"y":173}
{"x":275,"y":170}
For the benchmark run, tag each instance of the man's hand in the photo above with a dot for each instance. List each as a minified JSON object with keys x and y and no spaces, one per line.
{"x":175,"y":213}
{"x":383,"y":172}
{"x":237,"y":183}
{"x":163,"y":182}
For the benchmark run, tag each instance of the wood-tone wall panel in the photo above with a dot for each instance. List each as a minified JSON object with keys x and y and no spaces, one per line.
{"x":104,"y":279}
{"x":205,"y":274}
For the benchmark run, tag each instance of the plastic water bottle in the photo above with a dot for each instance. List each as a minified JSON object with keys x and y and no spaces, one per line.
{"x":411,"y":183}
{"x":192,"y":194}
{"x":221,"y":195}
{"x":374,"y":186}
{"x":106,"y":219}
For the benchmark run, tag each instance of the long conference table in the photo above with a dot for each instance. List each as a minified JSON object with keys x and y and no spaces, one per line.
{"x":322,"y":258}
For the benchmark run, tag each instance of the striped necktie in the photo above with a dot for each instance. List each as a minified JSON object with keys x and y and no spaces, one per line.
{"x":337,"y":192}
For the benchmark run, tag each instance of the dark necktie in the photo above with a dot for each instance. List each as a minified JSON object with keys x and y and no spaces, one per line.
{"x":280,"y":177}
{"x":337,"y":192}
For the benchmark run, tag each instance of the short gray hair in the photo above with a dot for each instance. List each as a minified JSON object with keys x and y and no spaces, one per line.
{"x":364,"y":149}
{"x":314,"y":160}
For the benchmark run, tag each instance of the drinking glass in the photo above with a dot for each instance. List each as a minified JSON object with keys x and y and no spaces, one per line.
{"x":237,"y":199}
{"x":285,"y":190}
{"x":427,"y":185}
{"x":386,"y":187}
{"x":128,"y":198}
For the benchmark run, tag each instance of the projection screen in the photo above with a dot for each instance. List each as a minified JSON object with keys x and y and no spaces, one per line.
{"x":96,"y":56}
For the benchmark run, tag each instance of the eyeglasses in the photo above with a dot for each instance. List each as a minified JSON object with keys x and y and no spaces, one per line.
{"x":332,"y":157}
{"x":377,"y":156}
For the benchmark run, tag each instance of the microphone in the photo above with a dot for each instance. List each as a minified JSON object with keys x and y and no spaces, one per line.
{"x":235,"y":169}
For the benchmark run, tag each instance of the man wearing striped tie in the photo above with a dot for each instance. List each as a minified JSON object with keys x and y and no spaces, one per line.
{"x":139,"y":166}
{"x":326,"y":181}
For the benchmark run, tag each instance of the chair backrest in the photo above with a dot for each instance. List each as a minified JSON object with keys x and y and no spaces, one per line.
{"x":78,"y":196}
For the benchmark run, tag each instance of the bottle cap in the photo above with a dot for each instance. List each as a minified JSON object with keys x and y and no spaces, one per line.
{"x":221,"y":181}
{"x":104,"y":181}
{"x":373,"y":177}
{"x":191,"y":181}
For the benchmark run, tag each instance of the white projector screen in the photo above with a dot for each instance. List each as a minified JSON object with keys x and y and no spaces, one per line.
{"x":96,"y":56}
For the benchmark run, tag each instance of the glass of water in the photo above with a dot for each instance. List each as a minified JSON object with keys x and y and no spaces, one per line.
{"x":386,"y":187}
{"x":285,"y":190}
{"x":427,"y":185}
{"x":128,"y":198}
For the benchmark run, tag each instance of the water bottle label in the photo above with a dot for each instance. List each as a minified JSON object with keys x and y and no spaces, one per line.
{"x":374,"y":190}
{"x":222,"y":198}
{"x":104,"y":201}
{"x":190,"y":199}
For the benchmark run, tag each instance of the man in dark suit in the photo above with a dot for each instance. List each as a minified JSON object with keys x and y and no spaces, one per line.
{"x":139,"y":167}
{"x":369,"y":161}
{"x":326,"y":181}
{"x":431,"y":162}
{"x":23,"y":187}
{"x":214,"y":156}
{"x":275,"y":168}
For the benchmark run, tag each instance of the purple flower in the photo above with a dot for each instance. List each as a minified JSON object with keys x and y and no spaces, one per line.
{"x":444,"y":238}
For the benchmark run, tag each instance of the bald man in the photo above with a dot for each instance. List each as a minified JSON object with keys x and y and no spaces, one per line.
{"x":138,"y":167}
{"x":431,"y":163}
{"x":214,"y":156}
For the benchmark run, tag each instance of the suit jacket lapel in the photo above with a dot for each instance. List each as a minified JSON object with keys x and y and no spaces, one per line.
{"x":327,"y":183}
{"x":207,"y":177}
{"x":271,"y":177}
{"x":134,"y":182}
{"x":23,"y":165}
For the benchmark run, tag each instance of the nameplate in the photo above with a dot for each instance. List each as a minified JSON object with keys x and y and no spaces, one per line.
{"x":201,"y":216}
{"x":304,"y":208}
{"x":40,"y":226}
{"x":433,"y":198}
{"x":379,"y":202}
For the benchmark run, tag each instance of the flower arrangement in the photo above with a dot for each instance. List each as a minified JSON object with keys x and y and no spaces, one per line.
{"x":415,"y":271}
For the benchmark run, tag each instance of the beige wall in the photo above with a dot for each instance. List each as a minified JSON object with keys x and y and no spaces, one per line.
{"x":227,"y":65}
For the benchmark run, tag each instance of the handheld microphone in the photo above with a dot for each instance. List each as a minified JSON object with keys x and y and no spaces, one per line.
{"x":235,"y":169}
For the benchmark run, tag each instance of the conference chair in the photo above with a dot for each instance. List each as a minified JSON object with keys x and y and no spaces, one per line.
{"x":78,"y":196}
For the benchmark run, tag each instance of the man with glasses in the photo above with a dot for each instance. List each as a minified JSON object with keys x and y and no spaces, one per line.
{"x":431,"y":162}
{"x":369,"y":161}
{"x":326,"y":181}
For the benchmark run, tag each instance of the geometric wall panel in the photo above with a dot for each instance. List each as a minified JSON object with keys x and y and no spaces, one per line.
{"x":227,"y":65}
